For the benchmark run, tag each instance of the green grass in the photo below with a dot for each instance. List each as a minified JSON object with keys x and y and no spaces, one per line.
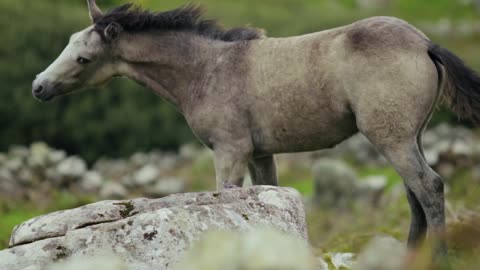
{"x":14,"y":213}
{"x":9,"y":220}
{"x":392,"y":176}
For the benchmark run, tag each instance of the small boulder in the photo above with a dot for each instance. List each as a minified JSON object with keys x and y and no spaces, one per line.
{"x":372,"y":189}
{"x":113,"y":169}
{"x":38,"y":155}
{"x":189,"y":151}
{"x":113,"y":191}
{"x":72,"y":167}
{"x":167,"y":186}
{"x":335,"y":182}
{"x":91,"y":181}
{"x":139,"y":159}
{"x":146,"y":175}
{"x":56,"y":156}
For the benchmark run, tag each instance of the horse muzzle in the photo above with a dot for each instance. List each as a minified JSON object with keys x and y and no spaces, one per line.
{"x":44,"y":90}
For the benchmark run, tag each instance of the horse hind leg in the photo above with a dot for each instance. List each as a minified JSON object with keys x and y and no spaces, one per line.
{"x":418,"y":223}
{"x":397,"y":137}
{"x":392,"y":113}
{"x":418,"y":220}
{"x":425,"y":193}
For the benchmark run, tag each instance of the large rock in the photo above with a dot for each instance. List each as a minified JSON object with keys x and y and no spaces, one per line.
{"x":150,"y":234}
{"x":104,"y":262}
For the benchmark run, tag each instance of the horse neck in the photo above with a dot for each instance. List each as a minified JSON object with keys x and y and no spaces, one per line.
{"x":170,"y":64}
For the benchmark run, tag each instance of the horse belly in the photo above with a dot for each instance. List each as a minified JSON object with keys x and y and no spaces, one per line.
{"x":299,"y":133}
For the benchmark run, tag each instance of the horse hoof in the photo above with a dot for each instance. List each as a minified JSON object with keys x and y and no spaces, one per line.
{"x":230,"y":186}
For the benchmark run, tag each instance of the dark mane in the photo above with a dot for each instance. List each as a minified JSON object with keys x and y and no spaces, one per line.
{"x":186,"y":18}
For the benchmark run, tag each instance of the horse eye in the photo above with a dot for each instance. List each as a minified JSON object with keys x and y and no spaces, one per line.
{"x":83,"y":60}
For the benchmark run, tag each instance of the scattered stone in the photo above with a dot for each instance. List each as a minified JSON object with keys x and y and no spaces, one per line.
{"x":72,"y":167}
{"x":14,"y":164}
{"x":113,"y":169}
{"x":372,"y":189}
{"x":3,"y":159}
{"x":447,"y":149}
{"x":9,"y":188}
{"x":375,"y":182}
{"x":113,"y":191}
{"x":91,"y":182}
{"x":25,"y":177}
{"x":18,"y":151}
{"x":167,"y":186}
{"x":167,"y":162}
{"x":189,"y":151}
{"x":335,"y":182}
{"x":38,"y":155}
{"x":56,"y":156}
{"x":139,"y":159}
{"x":146,"y":175}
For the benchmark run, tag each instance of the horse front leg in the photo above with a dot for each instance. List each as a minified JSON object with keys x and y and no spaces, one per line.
{"x":263,"y":171}
{"x":230,"y":166}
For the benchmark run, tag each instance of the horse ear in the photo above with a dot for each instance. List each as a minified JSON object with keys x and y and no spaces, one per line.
{"x":112,"y":31}
{"x":94,"y":11}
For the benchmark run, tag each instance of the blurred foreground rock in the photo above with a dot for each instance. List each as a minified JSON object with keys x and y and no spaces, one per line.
{"x":151,"y":234}
{"x":259,"y":249}
{"x":382,"y":253}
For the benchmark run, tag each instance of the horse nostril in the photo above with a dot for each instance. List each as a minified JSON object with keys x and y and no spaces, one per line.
{"x":38,"y":90}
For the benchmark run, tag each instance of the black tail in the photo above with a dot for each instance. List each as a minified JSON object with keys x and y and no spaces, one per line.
{"x":462,"y":88}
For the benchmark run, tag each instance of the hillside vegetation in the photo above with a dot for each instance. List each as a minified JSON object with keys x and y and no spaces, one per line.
{"x":122,"y":118}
